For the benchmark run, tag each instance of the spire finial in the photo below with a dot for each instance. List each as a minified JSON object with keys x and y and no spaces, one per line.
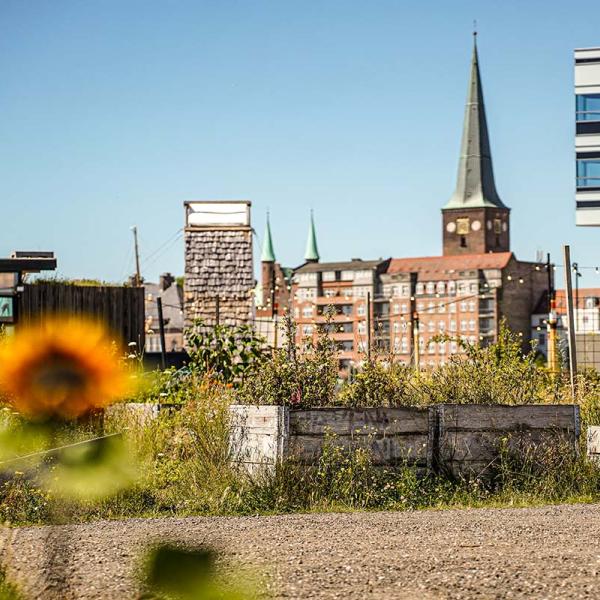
{"x":268,"y":254}
{"x":475,"y":30}
{"x":312,"y":251}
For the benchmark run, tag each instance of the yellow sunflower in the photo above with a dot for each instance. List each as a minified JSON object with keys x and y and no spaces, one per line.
{"x":61,"y":368}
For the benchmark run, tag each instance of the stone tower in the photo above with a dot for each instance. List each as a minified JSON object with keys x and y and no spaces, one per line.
{"x":475,"y":220}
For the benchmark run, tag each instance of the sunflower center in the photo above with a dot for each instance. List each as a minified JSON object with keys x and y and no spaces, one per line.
{"x":59,"y":373}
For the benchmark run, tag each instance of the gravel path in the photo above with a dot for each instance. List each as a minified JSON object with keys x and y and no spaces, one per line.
{"x":551,"y":552}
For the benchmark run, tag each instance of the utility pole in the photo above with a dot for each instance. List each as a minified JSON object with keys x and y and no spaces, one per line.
{"x":416,"y":345}
{"x":138,"y":274}
{"x":161,"y":328}
{"x":577,"y":276}
{"x":552,"y":322}
{"x":569,"y":297}
{"x":274,"y":315}
{"x":369,"y":326}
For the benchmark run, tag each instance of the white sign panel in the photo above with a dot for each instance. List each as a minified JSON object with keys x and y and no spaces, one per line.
{"x":213,"y":214}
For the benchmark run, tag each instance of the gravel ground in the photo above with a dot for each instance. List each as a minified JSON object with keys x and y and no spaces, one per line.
{"x":550,"y":552}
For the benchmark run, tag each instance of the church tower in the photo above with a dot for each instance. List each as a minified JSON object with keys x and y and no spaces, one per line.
{"x":311,"y":255}
{"x":475,"y":220}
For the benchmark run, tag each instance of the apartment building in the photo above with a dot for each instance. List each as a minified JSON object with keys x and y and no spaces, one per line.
{"x":587,"y":136}
{"x":342,"y":299}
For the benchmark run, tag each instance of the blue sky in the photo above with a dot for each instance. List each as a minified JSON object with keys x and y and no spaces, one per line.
{"x":113,"y":113}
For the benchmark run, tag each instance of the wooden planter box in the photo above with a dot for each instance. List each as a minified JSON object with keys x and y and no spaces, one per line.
{"x":462,"y":439}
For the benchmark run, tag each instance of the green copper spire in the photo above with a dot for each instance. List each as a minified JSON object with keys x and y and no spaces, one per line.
{"x":268,"y":254}
{"x":312,"y":252}
{"x":475,"y":186}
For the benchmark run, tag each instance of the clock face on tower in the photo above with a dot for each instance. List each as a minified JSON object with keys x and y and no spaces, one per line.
{"x":451,"y":227}
{"x":476,"y":225}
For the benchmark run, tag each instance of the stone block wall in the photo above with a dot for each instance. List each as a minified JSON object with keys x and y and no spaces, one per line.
{"x":218,"y":262}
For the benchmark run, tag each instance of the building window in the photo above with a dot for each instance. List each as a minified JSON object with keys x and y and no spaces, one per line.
{"x":431,"y":348}
{"x":463,"y":307}
{"x":396,"y":309}
{"x":396,"y":327}
{"x":452,"y":287}
{"x":420,"y":288}
{"x":405,"y":290}
{"x":328,"y":275}
{"x":442,"y":307}
{"x":307,"y":330}
{"x":362,"y":327}
{"x":588,"y":172}
{"x":440,"y":288}
{"x":452,"y":325}
{"x":430,"y":287}
{"x":472,"y":325}
{"x":296,"y":312}
{"x":472,"y":306}
{"x":587,"y":107}
{"x":442,"y":326}
{"x":361,"y":310}
{"x":453,"y":347}
{"x":463,"y":325}
{"x":431,"y":307}
{"x":307,"y":311}
{"x":420,"y":306}
{"x":431,"y":326}
{"x":404,"y":309}
{"x":404,"y":345}
{"x":452,"y":307}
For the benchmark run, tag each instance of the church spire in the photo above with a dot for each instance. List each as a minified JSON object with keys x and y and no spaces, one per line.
{"x":268,"y":254}
{"x":312,"y":252}
{"x":475,"y":187}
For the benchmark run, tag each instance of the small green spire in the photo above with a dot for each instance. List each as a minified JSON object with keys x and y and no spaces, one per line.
{"x":312,"y":252}
{"x":268,"y":254}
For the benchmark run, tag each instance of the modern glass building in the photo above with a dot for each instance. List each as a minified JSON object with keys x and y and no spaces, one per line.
{"x":587,"y":138}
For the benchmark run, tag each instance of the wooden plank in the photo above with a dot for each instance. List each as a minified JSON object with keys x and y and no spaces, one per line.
{"x":346,"y":421}
{"x":385,"y":450}
{"x":256,"y":417}
{"x":593,"y":440}
{"x":485,"y":445}
{"x":249,"y":447}
{"x":475,"y":417}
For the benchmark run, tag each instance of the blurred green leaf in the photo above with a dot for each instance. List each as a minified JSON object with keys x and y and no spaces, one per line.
{"x":91,"y":471}
{"x":20,"y":438}
{"x":186,"y":574}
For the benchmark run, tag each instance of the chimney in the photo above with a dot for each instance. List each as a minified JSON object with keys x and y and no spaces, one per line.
{"x":165,"y":281}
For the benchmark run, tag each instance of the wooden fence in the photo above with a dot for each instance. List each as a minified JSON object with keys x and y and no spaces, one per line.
{"x":120,"y":308}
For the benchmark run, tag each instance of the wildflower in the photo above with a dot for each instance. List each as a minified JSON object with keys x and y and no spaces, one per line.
{"x":60,"y":368}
